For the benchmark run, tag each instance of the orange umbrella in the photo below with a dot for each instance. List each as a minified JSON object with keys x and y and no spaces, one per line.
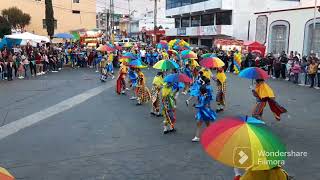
{"x":5,"y":175}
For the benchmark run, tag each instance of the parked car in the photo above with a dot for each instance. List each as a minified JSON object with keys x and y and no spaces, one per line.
{"x":124,"y":40}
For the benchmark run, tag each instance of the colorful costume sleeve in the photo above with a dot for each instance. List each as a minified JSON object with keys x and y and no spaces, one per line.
{"x":237,"y":63}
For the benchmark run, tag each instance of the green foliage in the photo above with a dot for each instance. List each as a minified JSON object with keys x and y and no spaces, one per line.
{"x":5,"y":27}
{"x":49,"y":17}
{"x":16,"y":18}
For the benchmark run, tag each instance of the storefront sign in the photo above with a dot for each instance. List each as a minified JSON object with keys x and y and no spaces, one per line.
{"x":181,"y":31}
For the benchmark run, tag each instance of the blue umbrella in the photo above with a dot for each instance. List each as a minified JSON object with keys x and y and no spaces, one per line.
{"x":177,"y":77}
{"x":63,"y":36}
{"x":254,"y":73}
{"x":137,"y":64}
{"x":129,"y":55}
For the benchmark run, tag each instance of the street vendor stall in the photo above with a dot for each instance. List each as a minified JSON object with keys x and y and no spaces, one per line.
{"x":90,"y":38}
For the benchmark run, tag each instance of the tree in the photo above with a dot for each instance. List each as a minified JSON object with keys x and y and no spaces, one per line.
{"x":16,"y":18}
{"x":49,"y":18}
{"x":5,"y":27}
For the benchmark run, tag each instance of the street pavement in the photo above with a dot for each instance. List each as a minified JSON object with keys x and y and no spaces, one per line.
{"x":101,"y":135}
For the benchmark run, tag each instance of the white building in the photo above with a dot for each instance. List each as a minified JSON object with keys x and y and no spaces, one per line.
{"x":201,"y":21}
{"x":289,"y":29}
{"x":145,"y":20}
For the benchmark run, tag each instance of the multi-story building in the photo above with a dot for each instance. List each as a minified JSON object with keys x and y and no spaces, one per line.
{"x":201,"y":21}
{"x":69,"y":14}
{"x":289,"y":29}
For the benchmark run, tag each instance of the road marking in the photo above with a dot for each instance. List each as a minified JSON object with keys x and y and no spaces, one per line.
{"x":64,"y":105}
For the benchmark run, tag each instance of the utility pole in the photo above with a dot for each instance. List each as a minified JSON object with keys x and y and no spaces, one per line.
{"x":107,"y":22}
{"x":155,"y":11}
{"x":129,"y":23}
{"x":112,"y":19}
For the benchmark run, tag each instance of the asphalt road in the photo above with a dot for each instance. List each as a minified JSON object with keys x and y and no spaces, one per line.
{"x":105,"y":136}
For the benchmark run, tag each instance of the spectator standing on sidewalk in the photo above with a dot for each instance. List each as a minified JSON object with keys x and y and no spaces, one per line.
{"x":296,"y":69}
{"x":277,"y":67}
{"x":312,"y":71}
{"x":303,"y":75}
{"x":270,"y":60}
{"x":283,"y":60}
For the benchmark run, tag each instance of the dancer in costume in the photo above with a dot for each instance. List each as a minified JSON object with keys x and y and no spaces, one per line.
{"x":133,"y":82}
{"x":155,"y":93}
{"x":121,"y":82}
{"x":195,"y":88}
{"x":205,"y":113}
{"x":264,"y":94}
{"x":143,"y":93}
{"x":188,"y":72}
{"x":168,"y":110}
{"x":221,"y":79}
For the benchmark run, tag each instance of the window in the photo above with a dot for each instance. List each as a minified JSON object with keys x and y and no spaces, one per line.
{"x":44,"y":25}
{"x":279,"y":37}
{"x":76,"y":1}
{"x":312,"y":38}
{"x":197,"y":1}
{"x":224,"y":18}
{"x":194,"y":41}
{"x":75,"y":11}
{"x":207,"y":20}
{"x":195,"y":21}
{"x":177,"y":22}
{"x":185,"y":22}
{"x":261,"y":29}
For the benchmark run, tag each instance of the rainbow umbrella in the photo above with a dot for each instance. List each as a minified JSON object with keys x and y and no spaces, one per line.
{"x":243,"y":142}
{"x":127,"y":45}
{"x":212,"y":62}
{"x":129,"y":55}
{"x":188,"y":54}
{"x":105,"y":48}
{"x":5,"y":175}
{"x":171,"y":51}
{"x":166,"y":65}
{"x":137,"y":64}
{"x":163,"y":45}
{"x":208,"y":55}
{"x":254,"y":73}
{"x":177,"y":77}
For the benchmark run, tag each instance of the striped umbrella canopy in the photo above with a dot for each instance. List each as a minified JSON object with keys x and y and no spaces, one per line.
{"x":5,"y":175}
{"x":243,"y":142}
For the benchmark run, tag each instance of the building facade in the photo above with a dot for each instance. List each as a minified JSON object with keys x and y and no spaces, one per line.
{"x":69,"y":14}
{"x":202,"y":21}
{"x":290,"y":29}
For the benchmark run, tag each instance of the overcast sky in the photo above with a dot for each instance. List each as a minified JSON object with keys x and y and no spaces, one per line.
{"x":121,"y":6}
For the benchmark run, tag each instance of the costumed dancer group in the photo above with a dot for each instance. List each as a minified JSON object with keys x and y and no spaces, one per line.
{"x":169,"y":81}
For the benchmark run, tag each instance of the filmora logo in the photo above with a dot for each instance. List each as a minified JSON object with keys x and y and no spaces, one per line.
{"x":242,"y":157}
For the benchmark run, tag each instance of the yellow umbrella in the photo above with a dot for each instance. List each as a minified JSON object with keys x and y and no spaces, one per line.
{"x":5,"y":175}
{"x":127,"y":45}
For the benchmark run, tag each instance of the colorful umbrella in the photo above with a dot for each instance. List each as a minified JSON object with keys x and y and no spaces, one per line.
{"x":105,"y":48}
{"x":177,"y":77}
{"x":243,"y":142}
{"x":137,"y":64}
{"x":171,"y":51}
{"x":127,"y":45}
{"x":208,"y":55}
{"x":212,"y":62}
{"x":163,"y":45}
{"x":188,"y":54}
{"x":129,"y":55}
{"x":166,"y":65}
{"x":5,"y":175}
{"x":253,"y":73}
